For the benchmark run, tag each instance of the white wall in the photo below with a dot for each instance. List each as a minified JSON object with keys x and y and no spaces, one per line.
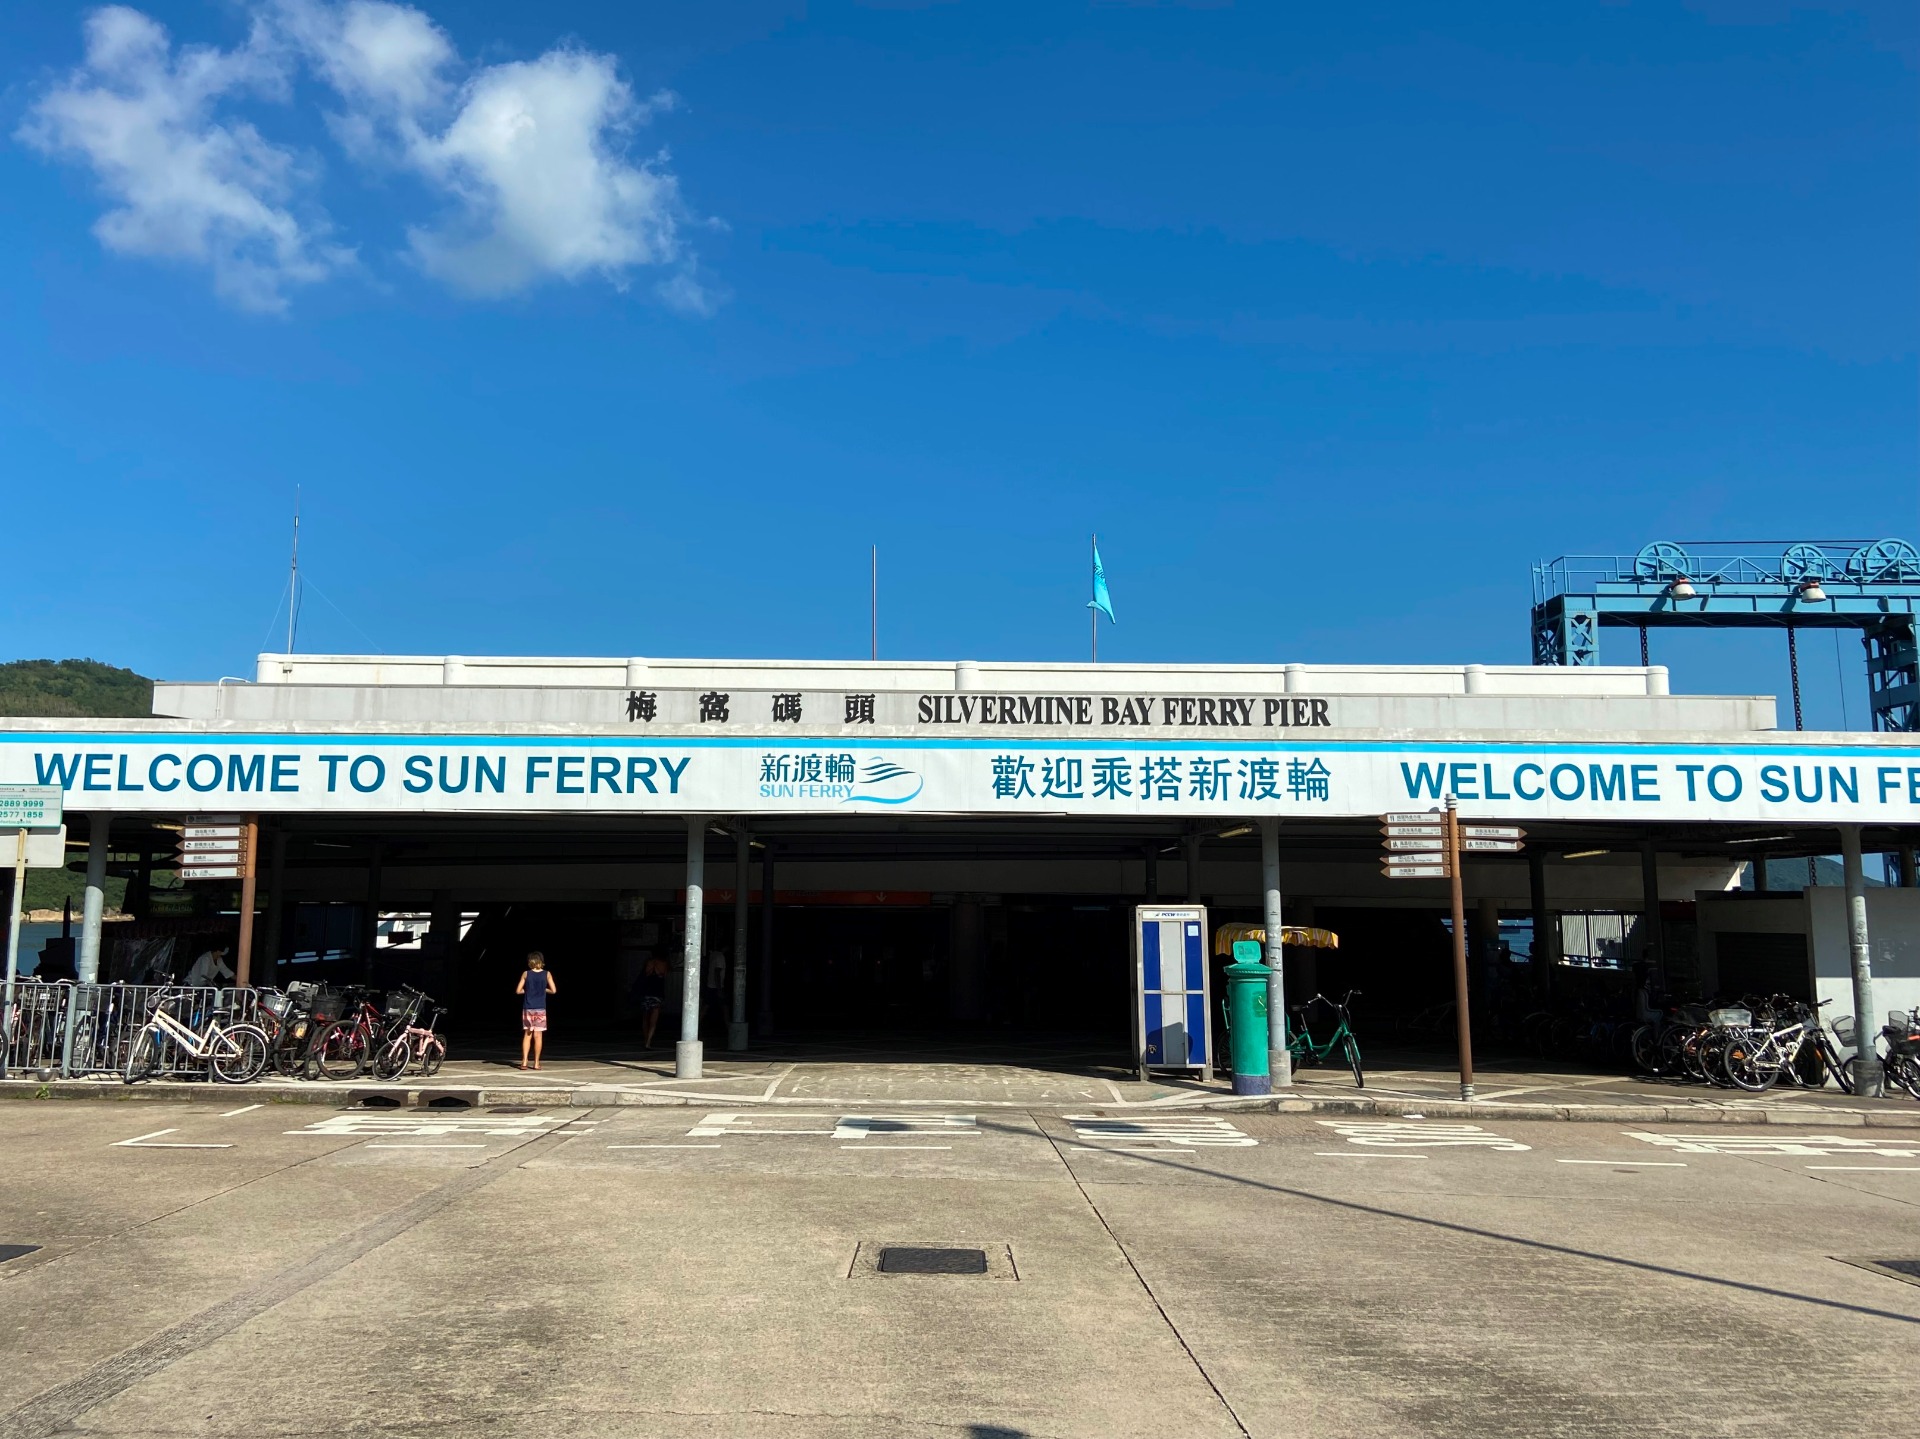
{"x":1893,"y":924}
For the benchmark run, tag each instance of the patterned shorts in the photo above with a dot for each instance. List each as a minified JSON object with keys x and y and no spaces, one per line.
{"x":534,"y":1021}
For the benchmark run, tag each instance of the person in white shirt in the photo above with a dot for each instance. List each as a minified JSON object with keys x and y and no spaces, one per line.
{"x":210,"y":968}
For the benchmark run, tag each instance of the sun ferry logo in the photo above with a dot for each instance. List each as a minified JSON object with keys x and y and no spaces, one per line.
{"x":829,"y":775}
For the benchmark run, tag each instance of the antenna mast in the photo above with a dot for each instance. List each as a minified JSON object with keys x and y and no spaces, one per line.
{"x":293,"y":574}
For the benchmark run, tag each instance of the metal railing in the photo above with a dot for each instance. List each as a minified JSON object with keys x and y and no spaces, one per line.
{"x":69,"y":1030}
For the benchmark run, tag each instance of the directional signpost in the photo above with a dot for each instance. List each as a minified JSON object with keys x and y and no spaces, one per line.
{"x":1426,"y":844}
{"x":224,"y":846}
{"x":32,"y":812}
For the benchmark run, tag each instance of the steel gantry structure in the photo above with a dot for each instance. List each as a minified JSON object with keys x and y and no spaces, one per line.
{"x":1869,"y":586}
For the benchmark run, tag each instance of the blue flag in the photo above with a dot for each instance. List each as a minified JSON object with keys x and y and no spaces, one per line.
{"x":1101,"y":600}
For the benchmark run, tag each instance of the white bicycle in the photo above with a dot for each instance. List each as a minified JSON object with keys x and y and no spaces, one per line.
{"x":235,"y":1054}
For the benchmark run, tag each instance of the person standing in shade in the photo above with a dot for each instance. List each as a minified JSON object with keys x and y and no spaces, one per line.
{"x":535,"y":985}
{"x":653,"y":996}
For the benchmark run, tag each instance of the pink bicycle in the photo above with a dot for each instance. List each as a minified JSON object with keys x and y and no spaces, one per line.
{"x":417,"y":1048}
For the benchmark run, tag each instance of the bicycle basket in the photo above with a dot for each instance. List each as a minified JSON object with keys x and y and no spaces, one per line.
{"x":328,"y":1005}
{"x":278,"y":1005}
{"x":1900,"y":1019}
{"x":402,"y":1004}
{"x":1730,"y":1018}
{"x":1843,"y":1029}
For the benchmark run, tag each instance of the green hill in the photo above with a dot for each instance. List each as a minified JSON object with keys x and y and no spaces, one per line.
{"x":58,"y":689}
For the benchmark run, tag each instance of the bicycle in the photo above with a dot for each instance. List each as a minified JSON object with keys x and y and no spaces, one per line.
{"x":342,"y":1049}
{"x":1305,"y":1050}
{"x":235,"y":1054}
{"x":415,"y":1046}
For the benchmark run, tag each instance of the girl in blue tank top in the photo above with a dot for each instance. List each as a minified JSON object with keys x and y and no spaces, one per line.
{"x":535,"y":985}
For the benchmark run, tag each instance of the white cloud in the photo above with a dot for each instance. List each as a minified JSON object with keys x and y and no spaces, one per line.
{"x":527,"y":160}
{"x":185,"y":185}
{"x":533,"y":161}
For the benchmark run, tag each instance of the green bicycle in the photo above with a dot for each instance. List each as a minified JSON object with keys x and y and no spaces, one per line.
{"x":1306,"y":1050}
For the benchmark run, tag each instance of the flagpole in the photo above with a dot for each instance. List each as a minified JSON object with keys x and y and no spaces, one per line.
{"x":1093,"y":615}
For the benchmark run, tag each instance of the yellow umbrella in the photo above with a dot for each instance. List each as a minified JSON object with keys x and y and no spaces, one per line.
{"x":1226,"y":934}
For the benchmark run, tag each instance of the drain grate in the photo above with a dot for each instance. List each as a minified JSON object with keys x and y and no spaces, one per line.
{"x":965,"y":1258}
{"x":901,"y":1259}
{"x":1907,"y":1271}
{"x":510,"y":1109}
{"x":16,"y":1251}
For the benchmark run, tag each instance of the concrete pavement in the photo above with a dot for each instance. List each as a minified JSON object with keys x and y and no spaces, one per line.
{"x":634,"y":1270}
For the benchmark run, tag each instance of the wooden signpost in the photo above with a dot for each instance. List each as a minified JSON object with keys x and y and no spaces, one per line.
{"x":1427,"y":844}
{"x":226,"y":847}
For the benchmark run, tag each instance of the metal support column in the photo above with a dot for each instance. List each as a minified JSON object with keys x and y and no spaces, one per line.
{"x":1908,"y":878}
{"x":763,"y":1021}
{"x":687,"y":1052}
{"x":1543,"y":945}
{"x":742,"y":897}
{"x":1869,"y":1083}
{"x":1279,"y":1061}
{"x":1760,"y":873}
{"x":276,"y":903}
{"x":1655,"y":948}
{"x":370,"y":919}
{"x":99,"y":827}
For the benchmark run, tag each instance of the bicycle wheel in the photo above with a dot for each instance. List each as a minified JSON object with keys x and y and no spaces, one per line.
{"x":1904,"y":1070}
{"x":431,"y":1054}
{"x":1747,"y":1067}
{"x":244,"y":1062}
{"x":1646,"y":1048}
{"x":1352,"y":1048}
{"x":144,"y":1058}
{"x":392,"y":1061}
{"x":341,"y":1051}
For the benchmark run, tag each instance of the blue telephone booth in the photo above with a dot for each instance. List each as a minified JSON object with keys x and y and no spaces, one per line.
{"x":1172,"y":1004}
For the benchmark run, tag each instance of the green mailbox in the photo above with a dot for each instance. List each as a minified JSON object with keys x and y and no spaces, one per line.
{"x":1247,"y":1019}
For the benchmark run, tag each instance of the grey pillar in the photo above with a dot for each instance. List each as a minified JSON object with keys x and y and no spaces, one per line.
{"x":1655,"y":948}
{"x":742,"y":887}
{"x":764,"y":1018}
{"x":1868,"y":1080}
{"x":276,"y":904}
{"x":370,"y":920}
{"x":1193,"y":868}
{"x":966,"y":959}
{"x":1908,"y":879}
{"x":99,"y":827}
{"x":1279,"y":1062}
{"x":1543,"y":937}
{"x":1487,"y":920}
{"x":1760,"y":874}
{"x":687,"y":1053}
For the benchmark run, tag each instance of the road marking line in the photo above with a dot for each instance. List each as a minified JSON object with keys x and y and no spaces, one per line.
{"x":1873,"y":1168}
{"x":138,"y":1137}
{"x":243,"y":1109}
{"x":663,"y":1146}
{"x":1349,"y":1154}
{"x":1633,"y":1163}
{"x":426,"y":1146}
{"x":896,"y":1146}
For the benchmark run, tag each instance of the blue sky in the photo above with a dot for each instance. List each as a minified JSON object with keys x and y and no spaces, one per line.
{"x":1329,"y":319}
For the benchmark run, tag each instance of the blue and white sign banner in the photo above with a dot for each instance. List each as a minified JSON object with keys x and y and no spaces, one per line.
{"x":191,"y":772}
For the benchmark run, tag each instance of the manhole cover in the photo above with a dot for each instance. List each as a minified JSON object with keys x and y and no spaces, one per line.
{"x":901,"y":1260}
{"x":511,"y":1109}
{"x":15,"y":1251}
{"x":1905,"y":1270}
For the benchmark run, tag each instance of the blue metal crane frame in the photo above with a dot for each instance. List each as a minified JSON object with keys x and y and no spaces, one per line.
{"x":1870,"y":586}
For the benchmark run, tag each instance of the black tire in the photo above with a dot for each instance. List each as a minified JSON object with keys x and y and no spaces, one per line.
{"x":430,"y":1058}
{"x":144,"y":1058}
{"x":341,"y":1051}
{"x":392,"y":1061}
{"x":246,"y":1065}
{"x":1904,"y":1070}
{"x":1739,"y":1064}
{"x":1352,"y":1049}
